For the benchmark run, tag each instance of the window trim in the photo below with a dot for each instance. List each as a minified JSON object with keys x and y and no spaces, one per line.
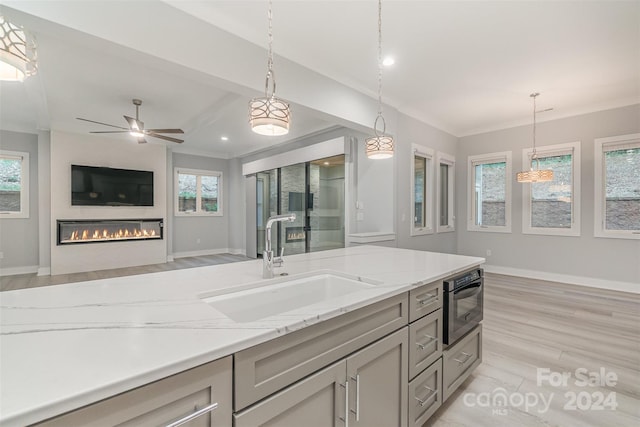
{"x":198,"y":172}
{"x":599,"y":198}
{"x":446,"y":159}
{"x":502,"y":156}
{"x":427,"y":154}
{"x":572,"y":148}
{"x":24,"y":182}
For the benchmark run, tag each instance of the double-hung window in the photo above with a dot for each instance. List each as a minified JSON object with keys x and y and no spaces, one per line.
{"x":14,"y":184}
{"x":198,"y":192}
{"x":617,"y":187}
{"x":445,"y":184}
{"x":553,"y":207}
{"x":422,"y":190}
{"x":489,"y":205}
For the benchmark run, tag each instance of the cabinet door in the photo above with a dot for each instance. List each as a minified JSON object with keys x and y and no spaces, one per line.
{"x":202,"y":395}
{"x":378,"y":383}
{"x":318,"y":400}
{"x":425,"y":337}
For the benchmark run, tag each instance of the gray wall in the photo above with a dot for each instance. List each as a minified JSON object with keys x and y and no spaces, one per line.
{"x":19,"y":236}
{"x":599,"y":258}
{"x":412,"y":131}
{"x":213,"y":231}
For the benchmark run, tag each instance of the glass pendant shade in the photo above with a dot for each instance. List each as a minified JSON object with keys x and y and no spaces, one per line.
{"x":269,"y":116}
{"x":17,"y":52}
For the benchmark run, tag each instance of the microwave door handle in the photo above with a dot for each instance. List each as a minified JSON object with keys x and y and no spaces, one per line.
{"x":468,"y":291}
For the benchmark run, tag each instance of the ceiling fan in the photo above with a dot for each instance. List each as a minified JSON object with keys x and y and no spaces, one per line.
{"x":136,"y":128}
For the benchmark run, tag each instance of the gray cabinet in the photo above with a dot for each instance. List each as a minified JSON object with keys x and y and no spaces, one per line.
{"x":369,"y":388}
{"x":425,"y":394}
{"x":424,"y":300}
{"x":425,"y":336}
{"x":459,"y":360}
{"x":201,"y":395}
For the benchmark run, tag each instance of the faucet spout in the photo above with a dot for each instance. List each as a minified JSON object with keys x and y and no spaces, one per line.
{"x":268,"y":260}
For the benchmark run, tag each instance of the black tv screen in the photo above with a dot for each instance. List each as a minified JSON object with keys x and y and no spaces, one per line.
{"x":102,"y":186}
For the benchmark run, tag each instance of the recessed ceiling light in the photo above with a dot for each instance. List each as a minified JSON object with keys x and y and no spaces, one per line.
{"x":224,"y":138}
{"x":388,"y":61}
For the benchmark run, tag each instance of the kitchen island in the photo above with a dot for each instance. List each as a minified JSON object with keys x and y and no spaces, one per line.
{"x":67,"y":346}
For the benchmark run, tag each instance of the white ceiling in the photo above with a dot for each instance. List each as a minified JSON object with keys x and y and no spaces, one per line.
{"x":462,"y":66}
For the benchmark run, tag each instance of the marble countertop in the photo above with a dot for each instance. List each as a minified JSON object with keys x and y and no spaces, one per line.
{"x":66,"y":346}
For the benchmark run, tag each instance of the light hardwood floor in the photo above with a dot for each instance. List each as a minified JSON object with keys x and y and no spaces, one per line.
{"x":530,"y":325}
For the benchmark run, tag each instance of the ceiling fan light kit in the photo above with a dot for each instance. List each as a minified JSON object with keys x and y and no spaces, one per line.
{"x":269,"y":115}
{"x":536,"y":174}
{"x":136,"y":128}
{"x":18,"y":58}
{"x":379,"y":146}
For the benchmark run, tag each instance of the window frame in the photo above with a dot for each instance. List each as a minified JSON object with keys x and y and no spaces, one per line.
{"x":428,"y":155}
{"x":450,"y":161}
{"x":600,"y":181}
{"x":23,"y":156}
{"x":199,"y":173}
{"x":572,"y":148}
{"x":487,"y":158}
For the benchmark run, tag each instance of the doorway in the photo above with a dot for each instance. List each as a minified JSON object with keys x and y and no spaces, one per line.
{"x":315,"y":192}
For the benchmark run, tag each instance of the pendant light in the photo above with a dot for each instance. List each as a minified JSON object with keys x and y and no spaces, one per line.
{"x":269,"y":115}
{"x":379,"y":146}
{"x":537,"y":174}
{"x":17,"y":52}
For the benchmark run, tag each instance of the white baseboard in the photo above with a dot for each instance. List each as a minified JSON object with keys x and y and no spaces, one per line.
{"x":170,"y":258}
{"x":44,"y":271}
{"x":12,"y":271}
{"x":202,"y":253}
{"x":238,"y":252}
{"x":565,"y":278}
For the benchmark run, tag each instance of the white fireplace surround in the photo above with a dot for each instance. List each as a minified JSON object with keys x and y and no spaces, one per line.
{"x":118,"y":152}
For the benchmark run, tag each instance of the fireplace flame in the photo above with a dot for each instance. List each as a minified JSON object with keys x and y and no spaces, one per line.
{"x":104,"y":234}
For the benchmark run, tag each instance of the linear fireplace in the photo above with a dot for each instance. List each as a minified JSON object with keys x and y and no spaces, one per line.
{"x":108,"y":230}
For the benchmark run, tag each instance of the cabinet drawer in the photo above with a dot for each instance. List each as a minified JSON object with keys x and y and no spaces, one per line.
{"x":425,"y":337}
{"x":424,"y":300}
{"x":271,"y":366}
{"x":425,"y":394}
{"x":163,"y":402}
{"x":461,"y":359}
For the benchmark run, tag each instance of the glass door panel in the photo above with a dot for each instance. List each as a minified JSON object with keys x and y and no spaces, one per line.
{"x":326,"y":208}
{"x":266,"y":204}
{"x":293,"y":199}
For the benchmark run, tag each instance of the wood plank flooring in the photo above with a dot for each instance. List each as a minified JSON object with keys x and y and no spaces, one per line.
{"x":530,"y":325}
{"x":23,"y":281}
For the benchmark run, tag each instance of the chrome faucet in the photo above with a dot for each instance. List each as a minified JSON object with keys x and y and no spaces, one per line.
{"x":268,"y":260}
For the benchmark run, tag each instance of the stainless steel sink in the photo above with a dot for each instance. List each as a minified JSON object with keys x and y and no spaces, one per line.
{"x":284,"y":296}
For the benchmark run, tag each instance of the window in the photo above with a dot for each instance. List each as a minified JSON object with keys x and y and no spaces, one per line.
{"x":489,"y":205}
{"x":198,"y":192}
{"x":421,"y":191}
{"x":617,"y":187}
{"x":14,"y":184}
{"x":553,"y":207}
{"x":445,"y":185}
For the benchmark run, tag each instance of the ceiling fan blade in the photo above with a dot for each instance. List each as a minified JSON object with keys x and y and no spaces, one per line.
{"x":165,"y":130}
{"x":166,"y":138}
{"x":142,"y":141}
{"x":100,"y":123}
{"x":109,"y":131}
{"x":133,"y":123}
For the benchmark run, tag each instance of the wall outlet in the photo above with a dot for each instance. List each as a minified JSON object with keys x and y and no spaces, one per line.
{"x":488,"y":252}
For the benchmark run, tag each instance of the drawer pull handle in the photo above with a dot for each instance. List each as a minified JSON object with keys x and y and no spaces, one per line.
{"x":428,"y":300}
{"x":346,"y":404}
{"x":467,"y":356}
{"x":428,"y":343}
{"x":357,"y":411}
{"x":424,"y":401}
{"x":194,"y":415}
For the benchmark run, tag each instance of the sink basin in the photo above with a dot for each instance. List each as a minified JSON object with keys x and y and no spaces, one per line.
{"x":264,"y":301}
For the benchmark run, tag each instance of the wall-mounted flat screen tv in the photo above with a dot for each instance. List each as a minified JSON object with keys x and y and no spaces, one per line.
{"x":102,"y":186}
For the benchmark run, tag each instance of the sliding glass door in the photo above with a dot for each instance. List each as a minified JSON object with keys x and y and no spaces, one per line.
{"x":314,"y":191}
